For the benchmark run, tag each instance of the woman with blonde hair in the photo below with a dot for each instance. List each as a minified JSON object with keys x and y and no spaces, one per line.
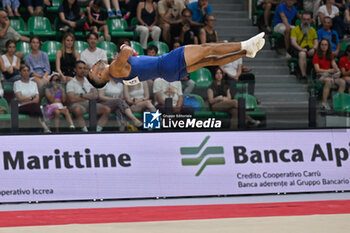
{"x":66,"y":57}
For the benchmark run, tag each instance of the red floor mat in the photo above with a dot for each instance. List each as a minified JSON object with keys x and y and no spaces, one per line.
{"x":165,"y":213}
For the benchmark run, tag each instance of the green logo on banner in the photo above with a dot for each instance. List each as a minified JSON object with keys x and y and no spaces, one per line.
{"x":210,"y":150}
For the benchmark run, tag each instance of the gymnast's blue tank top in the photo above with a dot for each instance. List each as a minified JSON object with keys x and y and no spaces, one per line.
{"x":145,"y":67}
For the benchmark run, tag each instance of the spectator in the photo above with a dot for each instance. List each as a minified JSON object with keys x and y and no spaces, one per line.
{"x":66,"y":58}
{"x":1,"y":91}
{"x":138,"y":98}
{"x":163,"y":89}
{"x":39,"y":64}
{"x":347,"y":17}
{"x":56,"y":97}
{"x":71,"y":17}
{"x":220,"y":99}
{"x":312,"y":6}
{"x":130,"y":6}
{"x":330,"y":10}
{"x":282,"y":23}
{"x":331,"y":35}
{"x":170,"y":13}
{"x":184,"y":32}
{"x":186,"y":82}
{"x":92,"y":54}
{"x":97,"y":19}
{"x":8,"y":33}
{"x":10,"y":63}
{"x":267,"y":6}
{"x":112,"y":95}
{"x":236,"y":72}
{"x":199,"y":10}
{"x":79,"y":92}
{"x":11,"y":6}
{"x":27,"y":94}
{"x":344,"y":65}
{"x":304,"y":42}
{"x":115,"y":3}
{"x":207,"y":34}
{"x":147,"y":16}
{"x":340,"y":4}
{"x":34,"y":7}
{"x":327,"y":71}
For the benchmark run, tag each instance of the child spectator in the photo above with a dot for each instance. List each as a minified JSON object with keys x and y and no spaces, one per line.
{"x":97,"y":19}
{"x":115,"y":3}
{"x":66,"y":58}
{"x":56,"y":97}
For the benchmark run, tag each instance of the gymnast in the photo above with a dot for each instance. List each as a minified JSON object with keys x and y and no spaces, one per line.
{"x":132,"y":69}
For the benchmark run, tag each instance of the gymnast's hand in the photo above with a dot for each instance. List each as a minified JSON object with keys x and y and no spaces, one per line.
{"x":134,"y":51}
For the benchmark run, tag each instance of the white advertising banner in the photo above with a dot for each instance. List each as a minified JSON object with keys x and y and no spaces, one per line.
{"x":108,"y":166}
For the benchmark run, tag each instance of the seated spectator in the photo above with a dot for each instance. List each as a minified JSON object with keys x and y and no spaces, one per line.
{"x":112,"y":96}
{"x":327,"y":71}
{"x":10,"y":63}
{"x":331,"y":35}
{"x":97,"y":19}
{"x":312,"y":6}
{"x":138,"y":98}
{"x":235,"y":72}
{"x":163,"y":89}
{"x":79,"y":92}
{"x":344,"y":65}
{"x":220,"y":99}
{"x":11,"y":6}
{"x":186,"y":82}
{"x":92,"y":54}
{"x":170,"y":13}
{"x":115,"y":3}
{"x":1,"y":91}
{"x":147,"y":16}
{"x":199,"y":9}
{"x":184,"y":32}
{"x":27,"y":94}
{"x":347,"y":18}
{"x":39,"y":64}
{"x":340,"y":4}
{"x":304,"y":42}
{"x":66,"y":58}
{"x":330,"y":10}
{"x":34,"y":7}
{"x":130,"y":6}
{"x":267,"y":6}
{"x":282,"y":23}
{"x":71,"y":17}
{"x":56,"y":98}
{"x":8,"y":33}
{"x":207,"y":34}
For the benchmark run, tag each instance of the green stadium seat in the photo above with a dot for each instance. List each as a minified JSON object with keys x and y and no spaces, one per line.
{"x":51,"y":47}
{"x":19,"y":25}
{"x":137,"y":46}
{"x":202,"y":77}
{"x":55,"y":4}
{"x":162,"y":47}
{"x":40,"y":26}
{"x":252,"y":106}
{"x":23,"y":47}
{"x":343,"y":45}
{"x":110,"y":47}
{"x":7,"y":116}
{"x":117,"y":27}
{"x":134,"y":21}
{"x":80,"y":46}
{"x":341,"y":102}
